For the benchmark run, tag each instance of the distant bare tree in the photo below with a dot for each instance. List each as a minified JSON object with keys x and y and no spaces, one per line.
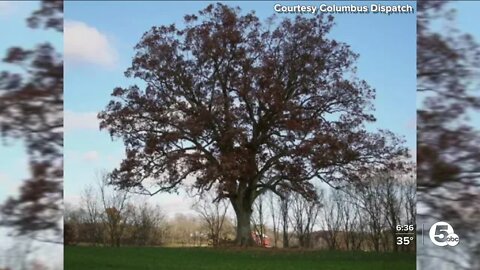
{"x":332,"y":218}
{"x":91,"y":205}
{"x":370,"y":199}
{"x":409,"y":194}
{"x":304,"y":217}
{"x":375,"y":219}
{"x":284,"y":212}
{"x":114,"y":203}
{"x":274,"y":202}
{"x":213,"y":213}
{"x":350,"y":217}
{"x":389,"y":187}
{"x":357,"y":233}
{"x":148,"y":224}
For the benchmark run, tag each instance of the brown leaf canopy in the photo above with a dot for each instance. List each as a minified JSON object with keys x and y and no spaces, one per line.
{"x":243,"y":105}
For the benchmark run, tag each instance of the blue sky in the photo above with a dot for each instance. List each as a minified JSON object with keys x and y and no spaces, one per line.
{"x":387,"y":47}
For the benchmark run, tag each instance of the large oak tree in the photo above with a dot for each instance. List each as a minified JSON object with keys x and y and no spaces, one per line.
{"x":243,"y":107}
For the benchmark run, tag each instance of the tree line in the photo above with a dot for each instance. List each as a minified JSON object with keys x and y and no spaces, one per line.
{"x":361,"y":217}
{"x":354,"y":217}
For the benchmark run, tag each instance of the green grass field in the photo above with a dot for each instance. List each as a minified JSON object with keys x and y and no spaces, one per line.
{"x":83,"y":258}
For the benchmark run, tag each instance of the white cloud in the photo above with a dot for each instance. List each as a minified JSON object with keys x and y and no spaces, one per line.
{"x":173,"y":204}
{"x":91,"y":156}
{"x":84,"y":44}
{"x":72,"y":201}
{"x":80,"y":121}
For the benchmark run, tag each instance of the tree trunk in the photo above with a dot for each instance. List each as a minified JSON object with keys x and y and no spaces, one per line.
{"x":117,"y":241}
{"x":394,"y":242}
{"x":285,"y":238}
{"x":284,"y":212}
{"x":112,"y":239}
{"x":376,"y":244}
{"x":243,"y":212}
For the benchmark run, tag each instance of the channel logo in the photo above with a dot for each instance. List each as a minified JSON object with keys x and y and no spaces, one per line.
{"x":442,"y":234}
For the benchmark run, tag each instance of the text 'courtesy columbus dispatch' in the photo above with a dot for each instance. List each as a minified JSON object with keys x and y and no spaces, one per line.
{"x":387,"y":9}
